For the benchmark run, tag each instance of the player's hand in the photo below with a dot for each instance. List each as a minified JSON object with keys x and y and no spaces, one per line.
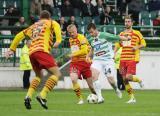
{"x":56,"y":44}
{"x":9,"y":53}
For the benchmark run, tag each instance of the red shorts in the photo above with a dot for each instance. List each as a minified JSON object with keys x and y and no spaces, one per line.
{"x":82,"y":68}
{"x":127,"y":67}
{"x":41,"y":60}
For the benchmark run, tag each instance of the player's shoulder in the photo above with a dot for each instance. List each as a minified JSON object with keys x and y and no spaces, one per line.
{"x":136,"y":31}
{"x":29,"y":28}
{"x":54,"y":21}
{"x":122,"y":32}
{"x":81,"y":36}
{"x":103,"y":33}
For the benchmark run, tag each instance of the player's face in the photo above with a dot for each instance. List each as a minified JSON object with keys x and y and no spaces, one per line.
{"x":128,"y":23}
{"x":72,"y":32}
{"x":92,"y":32}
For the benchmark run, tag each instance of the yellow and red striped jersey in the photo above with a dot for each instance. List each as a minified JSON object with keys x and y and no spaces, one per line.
{"x":76,"y":45}
{"x":136,"y":40}
{"x":41,"y":34}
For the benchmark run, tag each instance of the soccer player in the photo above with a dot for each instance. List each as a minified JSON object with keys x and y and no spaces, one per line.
{"x":103,"y":61}
{"x":130,"y":56}
{"x":79,"y":67}
{"x":41,"y":35}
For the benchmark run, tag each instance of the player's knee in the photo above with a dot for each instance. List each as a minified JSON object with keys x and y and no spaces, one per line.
{"x":74,"y":81}
{"x":128,"y":77}
{"x":57,"y":74}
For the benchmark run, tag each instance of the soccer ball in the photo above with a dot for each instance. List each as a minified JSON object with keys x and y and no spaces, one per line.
{"x":92,"y":99}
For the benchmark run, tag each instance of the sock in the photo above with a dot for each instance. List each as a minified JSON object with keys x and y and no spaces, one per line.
{"x":97,"y":88}
{"x":129,"y":90}
{"x":49,"y":85}
{"x":135,"y":79}
{"x":77,"y":90}
{"x":33,"y":86}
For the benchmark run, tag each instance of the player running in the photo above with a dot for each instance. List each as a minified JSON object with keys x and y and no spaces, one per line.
{"x":103,"y":61}
{"x":41,"y":33}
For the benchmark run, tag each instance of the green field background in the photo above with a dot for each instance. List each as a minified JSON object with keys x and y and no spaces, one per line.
{"x":63,"y":103}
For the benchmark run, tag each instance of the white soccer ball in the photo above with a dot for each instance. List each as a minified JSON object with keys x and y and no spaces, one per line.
{"x":92,"y":98}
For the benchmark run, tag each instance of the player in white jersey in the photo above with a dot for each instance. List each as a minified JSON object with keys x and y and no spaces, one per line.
{"x":103,"y":54}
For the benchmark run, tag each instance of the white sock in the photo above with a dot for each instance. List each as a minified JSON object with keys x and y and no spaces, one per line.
{"x":97,"y":88}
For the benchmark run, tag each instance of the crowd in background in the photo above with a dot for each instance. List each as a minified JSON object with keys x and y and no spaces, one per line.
{"x":68,"y":11}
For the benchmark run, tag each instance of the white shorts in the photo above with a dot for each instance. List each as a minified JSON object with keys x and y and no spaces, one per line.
{"x":107,"y":67}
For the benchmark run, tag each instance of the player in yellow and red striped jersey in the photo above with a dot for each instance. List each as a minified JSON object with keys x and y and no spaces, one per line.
{"x":79,"y":66}
{"x":130,"y":56}
{"x":41,"y":34}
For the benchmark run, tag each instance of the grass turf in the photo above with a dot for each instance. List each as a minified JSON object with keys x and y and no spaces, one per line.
{"x":63,"y":103}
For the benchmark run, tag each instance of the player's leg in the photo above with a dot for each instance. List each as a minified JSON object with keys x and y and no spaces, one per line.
{"x":95,"y":69}
{"x":76,"y":86}
{"x":112,"y":82}
{"x":97,"y":84}
{"x":90,"y":84}
{"x":51,"y":81}
{"x":129,"y":90}
{"x":49,"y":85}
{"x":50,"y":65}
{"x":125,"y":74}
{"x":132,"y":71}
{"x":109,"y":71}
{"x":33,"y":86}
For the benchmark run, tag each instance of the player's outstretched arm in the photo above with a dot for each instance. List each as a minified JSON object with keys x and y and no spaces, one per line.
{"x":57,"y":31}
{"x":20,"y":36}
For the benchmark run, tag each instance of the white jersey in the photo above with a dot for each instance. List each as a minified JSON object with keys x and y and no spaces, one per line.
{"x":102,"y":46}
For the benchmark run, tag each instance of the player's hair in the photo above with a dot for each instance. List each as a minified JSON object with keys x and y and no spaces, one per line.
{"x":70,"y":26}
{"x":128,"y":17}
{"x":45,"y":14}
{"x":91,"y":25}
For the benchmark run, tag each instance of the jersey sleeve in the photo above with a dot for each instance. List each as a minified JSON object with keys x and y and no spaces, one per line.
{"x":57,"y":31}
{"x":111,"y":37}
{"x":117,"y":45}
{"x":19,"y":37}
{"x":83,"y":48}
{"x":142,"y":40}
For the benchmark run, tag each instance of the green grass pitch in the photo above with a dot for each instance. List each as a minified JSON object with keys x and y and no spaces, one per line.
{"x":63,"y":103}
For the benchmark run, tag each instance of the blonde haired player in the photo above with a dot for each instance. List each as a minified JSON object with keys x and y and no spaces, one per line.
{"x":79,"y":66}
